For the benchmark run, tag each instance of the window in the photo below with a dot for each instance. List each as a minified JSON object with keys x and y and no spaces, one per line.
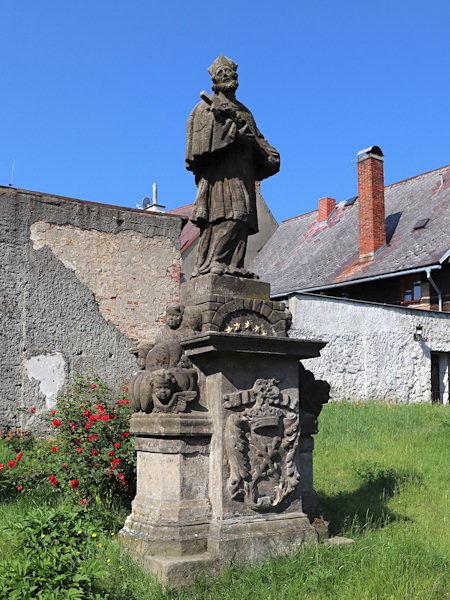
{"x":411,"y":290}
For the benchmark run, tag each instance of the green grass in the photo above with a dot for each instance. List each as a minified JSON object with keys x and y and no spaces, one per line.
{"x":382,"y":474}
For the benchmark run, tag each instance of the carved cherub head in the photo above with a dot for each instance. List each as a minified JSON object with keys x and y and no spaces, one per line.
{"x":164,"y":386}
{"x":174,"y":316}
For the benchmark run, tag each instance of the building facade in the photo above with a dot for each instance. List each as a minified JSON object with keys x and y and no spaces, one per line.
{"x":387,"y":249}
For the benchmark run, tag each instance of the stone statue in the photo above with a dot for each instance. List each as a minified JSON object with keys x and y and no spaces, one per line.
{"x":227,"y":153}
{"x":167,"y":380}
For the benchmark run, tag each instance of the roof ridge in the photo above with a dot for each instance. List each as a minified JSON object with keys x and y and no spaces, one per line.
{"x":180,"y":207}
{"x":302,"y":215}
{"x":415,"y":176}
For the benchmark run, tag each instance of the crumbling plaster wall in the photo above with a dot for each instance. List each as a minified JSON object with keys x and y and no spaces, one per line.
{"x":80,"y":284}
{"x":371,"y":351}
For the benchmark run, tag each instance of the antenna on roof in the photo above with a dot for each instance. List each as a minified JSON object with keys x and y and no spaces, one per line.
{"x":12,"y":173}
{"x":151,"y":205}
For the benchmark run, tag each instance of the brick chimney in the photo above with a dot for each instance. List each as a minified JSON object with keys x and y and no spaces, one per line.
{"x":326,"y":207}
{"x":372,"y":219}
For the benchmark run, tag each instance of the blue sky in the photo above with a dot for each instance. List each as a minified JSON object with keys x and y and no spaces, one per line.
{"x":95,"y":95}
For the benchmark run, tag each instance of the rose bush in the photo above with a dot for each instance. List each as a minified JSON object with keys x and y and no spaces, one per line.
{"x":89,"y":454}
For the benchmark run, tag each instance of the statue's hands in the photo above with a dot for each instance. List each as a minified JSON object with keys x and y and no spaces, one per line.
{"x":246,"y":135}
{"x":273,"y":160}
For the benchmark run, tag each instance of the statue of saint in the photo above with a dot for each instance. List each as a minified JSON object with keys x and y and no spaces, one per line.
{"x":227,"y":153}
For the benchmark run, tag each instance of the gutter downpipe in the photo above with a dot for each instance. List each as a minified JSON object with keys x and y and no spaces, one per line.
{"x":438,"y":291}
{"x":364,"y":280}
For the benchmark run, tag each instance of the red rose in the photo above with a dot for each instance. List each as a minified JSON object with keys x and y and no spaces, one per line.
{"x":1,"y":466}
{"x":32,"y":410}
{"x":53,"y":448}
{"x":74,"y":483}
{"x":115,"y":461}
{"x":12,"y":463}
{"x":94,"y":452}
{"x":52,"y":478}
{"x":126,"y":389}
{"x":111,"y":453}
{"x":95,"y":464}
{"x":53,"y":412}
{"x":120,"y":475}
{"x":93,"y":386}
{"x":19,"y":456}
{"x":87,"y":425}
{"x":117,"y":445}
{"x":19,"y":487}
{"x":56,"y":423}
{"x":83,"y":501}
{"x":104,"y":418}
{"x":64,"y":466}
{"x":55,"y":483}
{"x":86,"y":413}
{"x":124,"y":482}
{"x":125,"y":434}
{"x":80,"y":450}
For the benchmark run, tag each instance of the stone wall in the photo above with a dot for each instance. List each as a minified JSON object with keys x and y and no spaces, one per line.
{"x":81,"y":282}
{"x":371,"y":351}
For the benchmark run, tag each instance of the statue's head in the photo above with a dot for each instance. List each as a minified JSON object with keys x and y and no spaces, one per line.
{"x":164,"y":385}
{"x":223,"y":73}
{"x":174,"y":316}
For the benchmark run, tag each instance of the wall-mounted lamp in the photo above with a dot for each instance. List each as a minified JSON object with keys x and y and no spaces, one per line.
{"x":418,"y":332}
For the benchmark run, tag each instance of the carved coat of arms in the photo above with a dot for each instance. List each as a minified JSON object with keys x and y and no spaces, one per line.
{"x":261,"y":443}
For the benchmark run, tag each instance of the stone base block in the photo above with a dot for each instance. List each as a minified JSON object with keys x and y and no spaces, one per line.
{"x":225,"y":285}
{"x":239,"y":541}
{"x":169,"y":541}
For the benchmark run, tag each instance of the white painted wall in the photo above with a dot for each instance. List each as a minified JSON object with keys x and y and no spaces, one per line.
{"x":48,"y":370}
{"x":371,"y":351}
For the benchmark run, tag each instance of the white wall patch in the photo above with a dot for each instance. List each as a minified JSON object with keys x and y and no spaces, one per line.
{"x":48,"y":369}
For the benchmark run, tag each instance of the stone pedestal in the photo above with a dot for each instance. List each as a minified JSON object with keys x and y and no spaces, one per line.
{"x":223,"y":481}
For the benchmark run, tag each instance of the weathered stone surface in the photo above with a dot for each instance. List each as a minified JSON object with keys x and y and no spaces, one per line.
{"x":269,"y":346}
{"x":72,"y":282}
{"x":167,"y":382}
{"x":338,"y":540}
{"x":227,"y":154}
{"x":238,"y":311}
{"x":221,"y":286}
{"x":171,"y":425}
{"x":226,"y":485}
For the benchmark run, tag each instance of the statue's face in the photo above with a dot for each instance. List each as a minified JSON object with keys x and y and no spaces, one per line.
{"x":141,"y":360}
{"x":225,"y":74}
{"x":162,"y":391}
{"x":173,"y":320}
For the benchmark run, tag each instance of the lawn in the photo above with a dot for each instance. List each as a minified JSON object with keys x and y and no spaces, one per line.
{"x":381,"y":470}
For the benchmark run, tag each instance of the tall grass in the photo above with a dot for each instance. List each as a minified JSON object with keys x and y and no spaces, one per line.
{"x":382,"y":472}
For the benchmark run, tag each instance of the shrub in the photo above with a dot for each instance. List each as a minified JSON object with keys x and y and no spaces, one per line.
{"x":54,"y":557}
{"x":90,"y":455}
